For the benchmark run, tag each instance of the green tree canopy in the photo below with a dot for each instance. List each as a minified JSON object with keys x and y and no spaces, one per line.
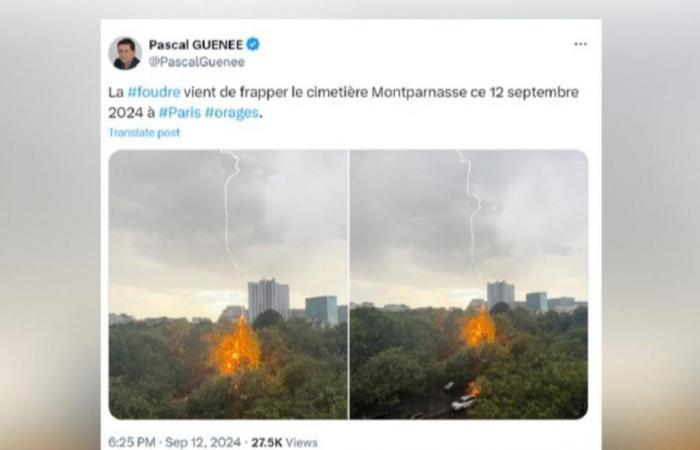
{"x":267,"y":318}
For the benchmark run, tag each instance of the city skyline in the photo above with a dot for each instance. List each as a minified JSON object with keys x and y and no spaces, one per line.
{"x":518,"y":301}
{"x":167,"y":255}
{"x":410,"y":225}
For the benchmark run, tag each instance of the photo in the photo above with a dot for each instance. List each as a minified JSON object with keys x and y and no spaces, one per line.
{"x":228,"y":285}
{"x":125,"y":53}
{"x":468,"y":284}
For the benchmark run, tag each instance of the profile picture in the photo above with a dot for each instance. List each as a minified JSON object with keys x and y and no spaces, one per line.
{"x":125,"y":53}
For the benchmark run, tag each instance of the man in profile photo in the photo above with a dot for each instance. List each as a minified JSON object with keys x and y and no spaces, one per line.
{"x":127,"y":59}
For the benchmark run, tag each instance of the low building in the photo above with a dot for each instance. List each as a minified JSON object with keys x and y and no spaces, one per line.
{"x":562,"y":304}
{"x":322,"y":309}
{"x":476,"y":303}
{"x":391,"y":307}
{"x":297,"y":313}
{"x":537,"y":302}
{"x":200,"y":320}
{"x":120,"y":319}
{"x":232,"y":313}
{"x":153,"y":321}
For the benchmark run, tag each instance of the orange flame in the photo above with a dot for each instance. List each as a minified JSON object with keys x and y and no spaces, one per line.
{"x":238,"y":349}
{"x":474,"y":389}
{"x":479,"y":329}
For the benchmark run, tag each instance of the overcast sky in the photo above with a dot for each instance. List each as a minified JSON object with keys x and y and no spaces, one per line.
{"x":288,"y":219}
{"x":410,"y":239}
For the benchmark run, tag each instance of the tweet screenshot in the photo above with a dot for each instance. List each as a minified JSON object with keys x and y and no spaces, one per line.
{"x":350,"y":234}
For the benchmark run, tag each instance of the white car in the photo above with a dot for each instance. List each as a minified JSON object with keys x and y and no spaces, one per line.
{"x":463,"y":403}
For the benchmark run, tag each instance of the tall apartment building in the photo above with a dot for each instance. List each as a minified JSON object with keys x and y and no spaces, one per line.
{"x":500,"y":292}
{"x":268,"y":294}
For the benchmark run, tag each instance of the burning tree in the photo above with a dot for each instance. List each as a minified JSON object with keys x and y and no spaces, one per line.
{"x":237,"y":350}
{"x":479,"y":329}
{"x":473,"y":389}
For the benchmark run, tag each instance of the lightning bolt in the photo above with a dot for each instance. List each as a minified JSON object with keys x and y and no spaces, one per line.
{"x":463,"y":160}
{"x":236,"y":171}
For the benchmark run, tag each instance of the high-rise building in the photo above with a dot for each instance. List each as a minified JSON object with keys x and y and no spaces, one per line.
{"x":500,"y":292}
{"x":322,"y":309}
{"x":537,"y":302}
{"x":267,"y":294}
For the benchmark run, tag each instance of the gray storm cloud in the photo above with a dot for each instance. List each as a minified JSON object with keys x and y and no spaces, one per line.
{"x":288,"y":219}
{"x":410,"y":239}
